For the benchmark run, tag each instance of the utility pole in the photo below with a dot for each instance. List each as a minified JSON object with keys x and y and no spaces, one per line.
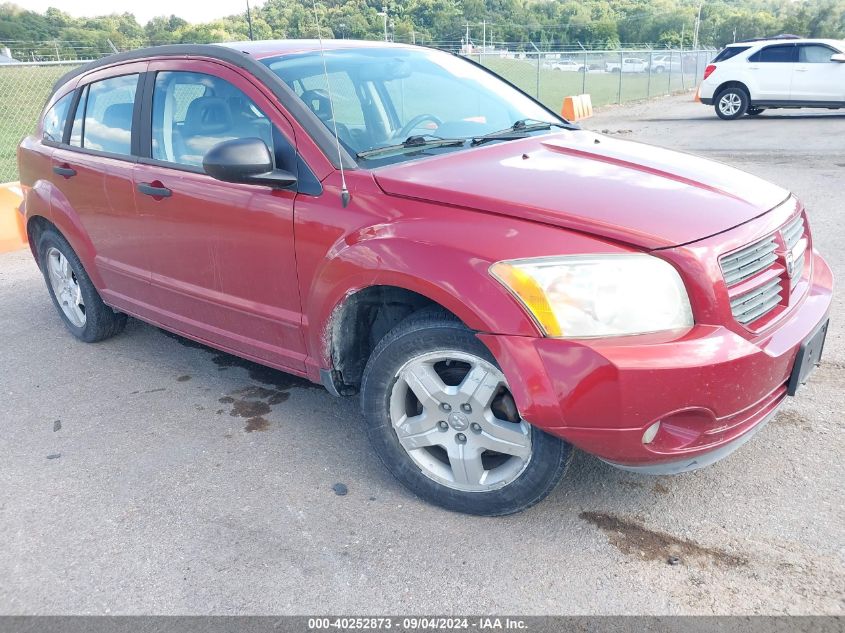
{"x":383,"y":13}
{"x":697,"y":27}
{"x":249,"y":20}
{"x":467,"y":40}
{"x":483,"y":35}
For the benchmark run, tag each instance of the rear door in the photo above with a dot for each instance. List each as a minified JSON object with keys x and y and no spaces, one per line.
{"x":817,"y":78}
{"x":92,"y":174}
{"x":220,"y":255}
{"x":771,"y":70}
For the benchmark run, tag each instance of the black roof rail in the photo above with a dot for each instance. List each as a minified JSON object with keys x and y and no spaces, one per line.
{"x":782,"y":36}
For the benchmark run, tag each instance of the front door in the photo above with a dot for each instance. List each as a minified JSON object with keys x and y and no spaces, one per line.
{"x":221,"y":255}
{"x":817,"y":78}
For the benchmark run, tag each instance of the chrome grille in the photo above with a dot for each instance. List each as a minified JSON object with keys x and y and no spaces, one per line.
{"x":756,"y":275}
{"x":749,"y":261}
{"x":792,"y":234}
{"x":754,"y":304}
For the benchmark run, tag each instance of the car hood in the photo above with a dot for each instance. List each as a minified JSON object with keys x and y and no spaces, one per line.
{"x":631,"y":192}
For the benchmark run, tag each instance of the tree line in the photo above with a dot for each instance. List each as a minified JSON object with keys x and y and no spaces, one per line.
{"x":520,"y":24}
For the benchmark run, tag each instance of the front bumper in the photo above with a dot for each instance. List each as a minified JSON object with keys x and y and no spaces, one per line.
{"x":710,"y":387}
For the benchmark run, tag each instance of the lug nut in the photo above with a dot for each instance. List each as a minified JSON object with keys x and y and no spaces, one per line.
{"x":466,"y":408}
{"x":476,"y":427}
{"x":460,"y":438}
{"x":442,"y":425}
{"x":445,"y":406}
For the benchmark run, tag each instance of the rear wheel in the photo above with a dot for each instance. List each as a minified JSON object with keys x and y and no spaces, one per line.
{"x":442,"y":419}
{"x":731,"y":103}
{"x":75,"y":297}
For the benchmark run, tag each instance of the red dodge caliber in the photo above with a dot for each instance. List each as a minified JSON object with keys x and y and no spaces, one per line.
{"x":495,"y":284}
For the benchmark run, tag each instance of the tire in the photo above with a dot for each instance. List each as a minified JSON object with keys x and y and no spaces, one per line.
{"x":731,"y":103}
{"x":752,"y":111}
{"x":75,"y":297}
{"x":448,"y":460}
{"x":659,"y":70}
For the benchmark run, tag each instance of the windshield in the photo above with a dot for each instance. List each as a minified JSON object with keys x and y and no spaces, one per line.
{"x":384,"y":96}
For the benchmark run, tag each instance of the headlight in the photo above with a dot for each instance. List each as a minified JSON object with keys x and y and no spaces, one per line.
{"x":598,"y":295}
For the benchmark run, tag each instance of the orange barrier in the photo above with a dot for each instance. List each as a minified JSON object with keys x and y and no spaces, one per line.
{"x":12,"y":230}
{"x":577,"y":107}
{"x":697,"y":97}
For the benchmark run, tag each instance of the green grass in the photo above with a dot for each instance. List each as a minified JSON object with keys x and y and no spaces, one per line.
{"x":23,"y":93}
{"x":24,"y":90}
{"x":603,"y":88}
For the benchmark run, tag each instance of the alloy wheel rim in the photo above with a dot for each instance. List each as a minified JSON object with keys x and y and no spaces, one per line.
{"x":453,"y":414}
{"x":65,"y":286}
{"x":730,"y":103}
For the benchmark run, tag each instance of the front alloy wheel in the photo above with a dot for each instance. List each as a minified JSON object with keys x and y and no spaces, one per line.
{"x":454,"y":416}
{"x":441,"y":417}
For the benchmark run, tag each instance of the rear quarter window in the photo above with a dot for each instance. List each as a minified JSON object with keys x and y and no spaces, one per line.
{"x":729,"y":52}
{"x":53,"y":126}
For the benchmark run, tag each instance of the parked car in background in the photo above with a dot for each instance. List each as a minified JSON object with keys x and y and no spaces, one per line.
{"x":627,"y":65}
{"x":748,"y":78}
{"x":569,"y":65}
{"x":667,"y":63}
{"x":495,"y":285}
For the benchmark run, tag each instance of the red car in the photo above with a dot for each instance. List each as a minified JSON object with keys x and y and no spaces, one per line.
{"x":495,"y":284}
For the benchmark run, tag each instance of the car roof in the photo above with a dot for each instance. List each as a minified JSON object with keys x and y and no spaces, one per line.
{"x":262,"y":49}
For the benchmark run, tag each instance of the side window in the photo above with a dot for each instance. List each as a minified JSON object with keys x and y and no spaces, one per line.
{"x":780,"y":53}
{"x":108,"y":115}
{"x":53,"y":127}
{"x":193,"y":112}
{"x":729,"y":52}
{"x":814,"y":54}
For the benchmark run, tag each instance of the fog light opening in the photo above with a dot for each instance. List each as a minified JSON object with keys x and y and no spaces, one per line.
{"x":651,"y":433}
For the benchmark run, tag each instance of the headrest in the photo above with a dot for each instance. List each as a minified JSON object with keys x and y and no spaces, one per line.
{"x":318,"y":101}
{"x":207,"y":115}
{"x":118,"y":115}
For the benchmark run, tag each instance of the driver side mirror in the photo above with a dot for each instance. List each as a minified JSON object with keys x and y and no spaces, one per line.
{"x":246,"y":161}
{"x":837,"y":57}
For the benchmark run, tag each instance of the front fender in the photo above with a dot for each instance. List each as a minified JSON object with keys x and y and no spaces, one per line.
{"x":442,"y":253}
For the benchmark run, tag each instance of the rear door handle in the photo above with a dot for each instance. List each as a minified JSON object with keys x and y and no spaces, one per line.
{"x":64,"y":170}
{"x":150,"y":189}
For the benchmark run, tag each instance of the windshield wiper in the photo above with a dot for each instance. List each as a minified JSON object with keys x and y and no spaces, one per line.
{"x":412,"y":143}
{"x":517,"y":130}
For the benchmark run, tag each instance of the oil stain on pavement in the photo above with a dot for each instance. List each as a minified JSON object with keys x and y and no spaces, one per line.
{"x":254,"y":402}
{"x":634,"y":539}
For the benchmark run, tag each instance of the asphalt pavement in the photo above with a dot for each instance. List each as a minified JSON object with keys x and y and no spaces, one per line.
{"x":134,"y":478}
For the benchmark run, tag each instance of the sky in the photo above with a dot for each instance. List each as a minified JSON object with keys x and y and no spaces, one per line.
{"x":190,"y":10}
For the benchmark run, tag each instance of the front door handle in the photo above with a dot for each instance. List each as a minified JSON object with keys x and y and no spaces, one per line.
{"x":154,"y":189}
{"x":64,"y":170}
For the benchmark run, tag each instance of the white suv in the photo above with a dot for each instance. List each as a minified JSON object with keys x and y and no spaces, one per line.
{"x":749,"y":77}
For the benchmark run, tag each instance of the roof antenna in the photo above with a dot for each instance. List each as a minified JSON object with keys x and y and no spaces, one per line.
{"x":345,"y":197}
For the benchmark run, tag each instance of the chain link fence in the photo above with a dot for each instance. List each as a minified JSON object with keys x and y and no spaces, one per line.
{"x":608,"y":76}
{"x":24,"y":89}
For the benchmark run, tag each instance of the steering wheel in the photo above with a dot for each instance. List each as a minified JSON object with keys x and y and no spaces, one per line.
{"x":414,"y":123}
